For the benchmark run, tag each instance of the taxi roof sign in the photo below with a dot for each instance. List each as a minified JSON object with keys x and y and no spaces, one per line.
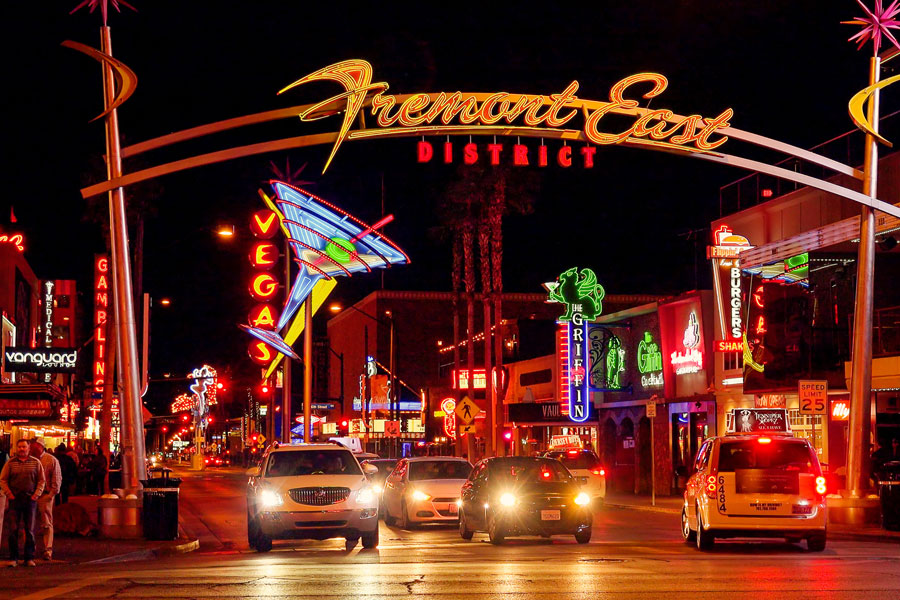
{"x":771,"y":421}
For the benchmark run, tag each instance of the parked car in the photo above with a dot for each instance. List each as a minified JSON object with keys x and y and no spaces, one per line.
{"x":424,"y":489}
{"x":585,"y":467}
{"x":755,"y":486}
{"x":517,"y":495}
{"x":311,"y":491}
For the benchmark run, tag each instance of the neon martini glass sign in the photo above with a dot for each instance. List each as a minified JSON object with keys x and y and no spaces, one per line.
{"x":326,"y":242}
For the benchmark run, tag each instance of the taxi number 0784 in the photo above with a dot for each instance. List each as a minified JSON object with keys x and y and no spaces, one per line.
{"x":722,"y":508}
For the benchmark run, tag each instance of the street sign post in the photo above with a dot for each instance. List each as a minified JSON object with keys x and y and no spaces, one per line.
{"x":651,"y":414}
{"x":467,"y":428}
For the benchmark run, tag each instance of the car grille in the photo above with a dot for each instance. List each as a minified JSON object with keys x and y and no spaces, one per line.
{"x":448,"y":500}
{"x":319,"y":496}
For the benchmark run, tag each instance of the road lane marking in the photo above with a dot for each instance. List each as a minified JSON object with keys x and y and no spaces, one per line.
{"x":65,"y":588}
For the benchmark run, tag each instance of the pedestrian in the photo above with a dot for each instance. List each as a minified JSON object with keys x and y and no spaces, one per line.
{"x":22,"y":482}
{"x":53,"y":483}
{"x":99,"y":467}
{"x":4,"y":457}
{"x":69,"y":473}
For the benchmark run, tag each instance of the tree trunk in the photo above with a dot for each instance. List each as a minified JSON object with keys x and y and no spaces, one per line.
{"x":490,"y":421}
{"x":456,"y":275}
{"x":468,"y":250}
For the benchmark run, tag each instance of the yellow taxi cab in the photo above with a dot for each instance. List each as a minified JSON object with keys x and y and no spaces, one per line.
{"x":756,"y":481}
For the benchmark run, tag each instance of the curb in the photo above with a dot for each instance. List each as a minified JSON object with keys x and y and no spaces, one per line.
{"x":655,"y":509}
{"x":150,"y":553}
{"x":849,"y":536}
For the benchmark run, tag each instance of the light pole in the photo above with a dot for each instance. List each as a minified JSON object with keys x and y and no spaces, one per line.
{"x":394,"y":407}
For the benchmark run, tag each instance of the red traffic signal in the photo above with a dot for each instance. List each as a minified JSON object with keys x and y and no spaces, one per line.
{"x":220,"y":385}
{"x":345,"y":423}
{"x":264,"y":389}
{"x":164,"y":429}
{"x":184,"y":417}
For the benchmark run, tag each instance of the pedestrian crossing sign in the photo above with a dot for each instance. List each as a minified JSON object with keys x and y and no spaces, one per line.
{"x":467,"y":410}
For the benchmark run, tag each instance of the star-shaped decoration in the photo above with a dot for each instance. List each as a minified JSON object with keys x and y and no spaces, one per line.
{"x":104,"y":7}
{"x":876,"y":23}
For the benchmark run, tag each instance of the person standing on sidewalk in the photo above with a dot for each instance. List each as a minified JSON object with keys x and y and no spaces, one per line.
{"x":69,"y":472}
{"x":22,"y":482}
{"x":53,"y":483}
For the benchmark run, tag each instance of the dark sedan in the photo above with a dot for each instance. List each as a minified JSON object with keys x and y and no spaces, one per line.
{"x":516,"y":495}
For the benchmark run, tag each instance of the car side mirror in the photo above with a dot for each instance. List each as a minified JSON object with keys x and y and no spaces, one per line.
{"x":369,"y":470}
{"x":252,"y":472}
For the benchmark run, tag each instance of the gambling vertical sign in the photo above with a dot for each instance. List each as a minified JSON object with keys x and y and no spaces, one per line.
{"x":101,"y":315}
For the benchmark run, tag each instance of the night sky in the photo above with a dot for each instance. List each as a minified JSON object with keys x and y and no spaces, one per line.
{"x":785,"y":68}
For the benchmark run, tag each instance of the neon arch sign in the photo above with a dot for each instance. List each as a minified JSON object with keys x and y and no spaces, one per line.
{"x":495,"y":114}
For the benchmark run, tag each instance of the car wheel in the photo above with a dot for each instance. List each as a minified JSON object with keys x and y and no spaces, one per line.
{"x":263,"y":542}
{"x":388,"y":519}
{"x":370,"y":540}
{"x":251,"y":530}
{"x":350,"y":543}
{"x":495,"y":531}
{"x":816,"y":543}
{"x":583,"y":536}
{"x":705,"y":539}
{"x":464,"y":531}
{"x":686,"y":532}
{"x":403,"y":521}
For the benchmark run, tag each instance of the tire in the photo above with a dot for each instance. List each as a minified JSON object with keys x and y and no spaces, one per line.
{"x":350,"y":543}
{"x":370,"y":540}
{"x":403,"y":521}
{"x":464,"y":531}
{"x":686,"y":532}
{"x":816,"y":543}
{"x":388,"y":519}
{"x":251,"y":530}
{"x":705,"y":539}
{"x":263,"y":542}
{"x":583,"y":536}
{"x":495,"y":531}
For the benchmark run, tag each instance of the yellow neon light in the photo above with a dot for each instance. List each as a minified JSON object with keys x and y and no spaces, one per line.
{"x":857,"y":113}
{"x":319,"y":294}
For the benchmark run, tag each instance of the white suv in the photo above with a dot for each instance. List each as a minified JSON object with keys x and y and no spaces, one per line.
{"x":310,"y":491}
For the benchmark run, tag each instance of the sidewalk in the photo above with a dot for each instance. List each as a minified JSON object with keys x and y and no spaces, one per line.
{"x":672,"y":505}
{"x":70,"y":548}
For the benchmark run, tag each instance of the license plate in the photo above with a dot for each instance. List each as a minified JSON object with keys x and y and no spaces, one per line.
{"x":549,"y":515}
{"x":802,"y":509}
{"x":453,"y":508}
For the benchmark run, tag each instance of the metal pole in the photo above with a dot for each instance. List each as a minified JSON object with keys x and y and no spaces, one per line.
{"x":366,"y":388}
{"x":861,"y":358}
{"x":123,"y":297}
{"x":652,"y":462}
{"x":286,"y":404}
{"x":307,"y":372}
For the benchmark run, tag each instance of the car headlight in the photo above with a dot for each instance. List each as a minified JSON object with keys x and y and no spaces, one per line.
{"x":507,"y":499}
{"x":269,"y":499}
{"x":582,"y":499}
{"x":377,"y":488}
{"x":366,"y":495}
{"x":420,"y":496}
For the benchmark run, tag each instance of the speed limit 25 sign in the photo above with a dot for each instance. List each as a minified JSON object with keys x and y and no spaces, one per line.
{"x":813,"y":397}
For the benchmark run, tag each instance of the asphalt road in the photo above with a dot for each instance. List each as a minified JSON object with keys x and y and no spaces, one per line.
{"x":633,"y":554}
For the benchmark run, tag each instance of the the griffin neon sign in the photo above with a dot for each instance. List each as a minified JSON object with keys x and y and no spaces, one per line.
{"x":583,"y":297}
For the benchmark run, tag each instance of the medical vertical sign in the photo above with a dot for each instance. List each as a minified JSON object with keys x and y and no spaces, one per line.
{"x":583,"y":297}
{"x":101,"y":314}
{"x":47,"y":319}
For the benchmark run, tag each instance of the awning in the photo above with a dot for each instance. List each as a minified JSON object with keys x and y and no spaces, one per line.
{"x":28,"y":400}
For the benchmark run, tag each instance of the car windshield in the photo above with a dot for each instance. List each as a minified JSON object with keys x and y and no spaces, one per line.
{"x":439,"y":469}
{"x":530,"y":470}
{"x":312,"y":462}
{"x":384,"y":467}
{"x":788,"y":455}
{"x":577,"y":460}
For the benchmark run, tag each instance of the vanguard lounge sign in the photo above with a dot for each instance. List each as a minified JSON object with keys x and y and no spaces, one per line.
{"x":40,"y":360}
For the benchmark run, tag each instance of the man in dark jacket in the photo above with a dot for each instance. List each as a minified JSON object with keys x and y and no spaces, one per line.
{"x":69,"y":472}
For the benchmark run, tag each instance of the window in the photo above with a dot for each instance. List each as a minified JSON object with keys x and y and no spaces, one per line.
{"x":789,"y":455}
{"x":732,"y":361}
{"x":807,"y":426}
{"x":439,"y":469}
{"x":530,"y":470}
{"x":583,"y":459}
{"x":536,"y":377}
{"x":312,"y":462}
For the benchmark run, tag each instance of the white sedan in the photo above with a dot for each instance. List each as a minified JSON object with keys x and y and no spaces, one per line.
{"x":424,"y":489}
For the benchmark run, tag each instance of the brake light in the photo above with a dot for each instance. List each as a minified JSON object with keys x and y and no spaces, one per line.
{"x":572,"y":452}
{"x":711,"y":485}
{"x":598,"y":472}
{"x":545,"y":474}
{"x":821,"y":485}
{"x":764,"y":440}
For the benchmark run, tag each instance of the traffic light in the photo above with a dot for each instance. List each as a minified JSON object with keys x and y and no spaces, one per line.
{"x":165,"y":429}
{"x":345,"y":424}
{"x":264,"y":389}
{"x":220,"y":386}
{"x":185,"y":418}
{"x":253,"y":438}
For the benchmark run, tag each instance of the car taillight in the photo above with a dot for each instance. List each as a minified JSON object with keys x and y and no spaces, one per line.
{"x":821,"y":485}
{"x":711,"y":485}
{"x":598,"y":472}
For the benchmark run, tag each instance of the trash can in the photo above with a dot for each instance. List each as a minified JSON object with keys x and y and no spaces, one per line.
{"x":160,"y":512}
{"x":889,"y":490}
